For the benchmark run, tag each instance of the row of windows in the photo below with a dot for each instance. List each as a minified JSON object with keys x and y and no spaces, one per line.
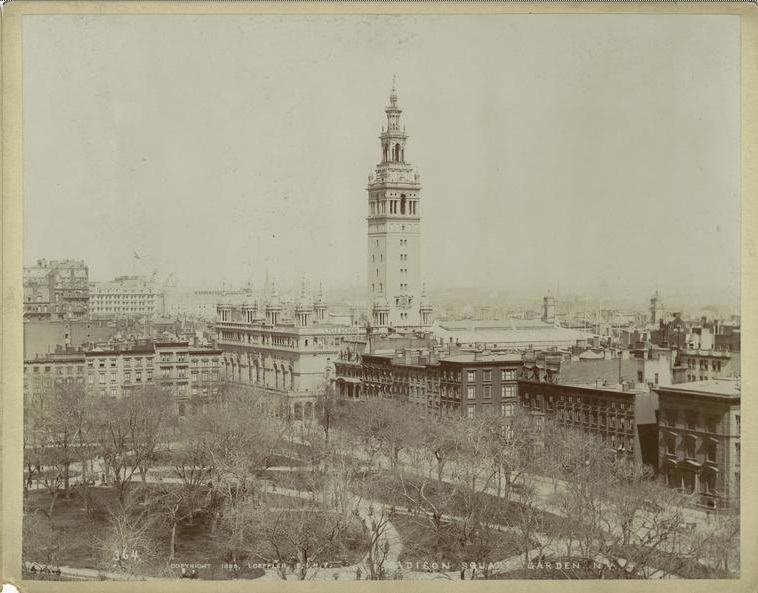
{"x":486,"y":375}
{"x":689,"y":444}
{"x":594,"y":418}
{"x":505,"y":391}
{"x":692,"y":420}
{"x":695,"y":363}
{"x":488,"y":410}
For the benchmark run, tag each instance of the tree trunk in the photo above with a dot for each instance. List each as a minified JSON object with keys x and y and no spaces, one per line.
{"x":172,"y":548}
{"x":52,"y":504}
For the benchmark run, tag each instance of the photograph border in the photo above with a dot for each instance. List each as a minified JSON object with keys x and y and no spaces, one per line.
{"x":11,"y":330}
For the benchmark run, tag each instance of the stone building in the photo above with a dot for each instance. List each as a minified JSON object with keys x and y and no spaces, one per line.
{"x":285,"y":357}
{"x":699,"y":439}
{"x":125,"y":296}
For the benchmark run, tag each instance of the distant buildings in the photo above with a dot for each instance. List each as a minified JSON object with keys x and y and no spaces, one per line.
{"x":201,"y":303}
{"x":56,"y":290}
{"x":125,"y":296}
{"x":510,"y":334}
{"x":699,"y":439}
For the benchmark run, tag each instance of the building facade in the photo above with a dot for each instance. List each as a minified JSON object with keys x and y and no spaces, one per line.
{"x":609,"y":412}
{"x":56,"y":290}
{"x":192,"y":375}
{"x":288,"y":358}
{"x":394,"y":232}
{"x":699,"y":440}
{"x":125,"y":296}
{"x":466,"y":384}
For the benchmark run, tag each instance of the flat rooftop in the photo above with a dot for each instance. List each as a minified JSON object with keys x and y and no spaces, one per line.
{"x":722,"y":387}
{"x":472,"y":357}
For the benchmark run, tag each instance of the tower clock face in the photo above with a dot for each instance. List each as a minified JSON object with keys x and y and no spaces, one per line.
{"x":404,"y":301}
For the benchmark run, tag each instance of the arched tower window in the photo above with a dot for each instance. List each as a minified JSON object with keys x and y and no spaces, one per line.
{"x":397,"y":151}
{"x":402,"y":203}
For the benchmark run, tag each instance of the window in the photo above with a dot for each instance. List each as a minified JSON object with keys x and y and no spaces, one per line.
{"x":506,"y":409}
{"x":470,"y":411}
{"x":488,"y":391}
{"x":508,"y":390}
{"x":487,"y":375}
{"x":508,"y":374}
{"x":690,"y":447}
{"x":471,"y":376}
{"x":692,"y":420}
{"x":712,"y":451}
{"x":711,"y":423}
{"x":737,"y":453}
{"x":113,"y":376}
{"x":127,"y":376}
{"x":670,"y":417}
{"x":471,"y":393}
{"x":101,"y":379}
{"x":549,"y":402}
{"x":737,"y":422}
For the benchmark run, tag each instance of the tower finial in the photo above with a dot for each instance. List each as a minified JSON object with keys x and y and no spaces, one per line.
{"x":394,"y":76}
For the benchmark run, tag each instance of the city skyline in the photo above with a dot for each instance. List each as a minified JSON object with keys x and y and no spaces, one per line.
{"x":595,"y":122}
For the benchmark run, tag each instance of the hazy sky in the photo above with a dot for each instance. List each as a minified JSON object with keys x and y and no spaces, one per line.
{"x":565,"y":150}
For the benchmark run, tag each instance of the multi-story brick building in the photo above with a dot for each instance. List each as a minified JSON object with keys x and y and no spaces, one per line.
{"x":621,"y":416}
{"x":190,"y":374}
{"x":469,"y":384}
{"x":65,"y":366}
{"x":699,"y":439}
{"x":56,"y":290}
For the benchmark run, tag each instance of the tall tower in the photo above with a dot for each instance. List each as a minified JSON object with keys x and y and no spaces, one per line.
{"x":656,"y":309}
{"x":548,"y":308}
{"x":394,"y":219}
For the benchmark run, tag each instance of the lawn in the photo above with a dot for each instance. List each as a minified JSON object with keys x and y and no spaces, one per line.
{"x":72,"y":537}
{"x":420,"y":543}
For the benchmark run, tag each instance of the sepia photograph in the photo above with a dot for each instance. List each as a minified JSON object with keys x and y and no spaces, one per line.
{"x":378,"y":297}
